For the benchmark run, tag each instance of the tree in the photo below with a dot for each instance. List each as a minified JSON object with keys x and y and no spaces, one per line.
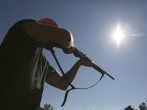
{"x":47,"y":107}
{"x":143,"y":106}
{"x":129,"y":108}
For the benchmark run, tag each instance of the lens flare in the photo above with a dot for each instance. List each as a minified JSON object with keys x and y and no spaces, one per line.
{"x":118,"y":35}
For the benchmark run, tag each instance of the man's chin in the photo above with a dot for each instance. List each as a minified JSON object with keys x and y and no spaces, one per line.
{"x":66,"y":51}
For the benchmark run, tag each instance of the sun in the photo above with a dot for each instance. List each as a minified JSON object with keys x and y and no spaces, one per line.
{"x":118,"y":35}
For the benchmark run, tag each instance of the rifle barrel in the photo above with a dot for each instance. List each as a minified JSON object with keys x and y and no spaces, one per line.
{"x":101,"y":70}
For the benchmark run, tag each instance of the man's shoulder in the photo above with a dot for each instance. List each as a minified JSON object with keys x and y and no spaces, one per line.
{"x":24,"y":20}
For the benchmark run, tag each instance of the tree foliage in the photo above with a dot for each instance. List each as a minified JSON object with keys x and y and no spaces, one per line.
{"x":129,"y":108}
{"x":47,"y":107}
{"x":142,"y":106}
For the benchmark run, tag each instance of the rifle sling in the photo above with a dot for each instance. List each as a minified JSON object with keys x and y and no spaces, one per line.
{"x":72,"y":86}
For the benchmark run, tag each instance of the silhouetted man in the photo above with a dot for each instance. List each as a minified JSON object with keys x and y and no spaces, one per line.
{"x":24,"y":69}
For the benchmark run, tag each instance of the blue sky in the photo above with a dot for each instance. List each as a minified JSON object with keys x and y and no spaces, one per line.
{"x":92,"y":22}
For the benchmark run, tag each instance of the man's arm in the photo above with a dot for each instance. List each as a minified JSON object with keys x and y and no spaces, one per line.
{"x":60,"y":82}
{"x":47,"y":33}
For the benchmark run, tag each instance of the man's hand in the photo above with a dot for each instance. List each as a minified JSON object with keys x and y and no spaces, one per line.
{"x":86,"y":62}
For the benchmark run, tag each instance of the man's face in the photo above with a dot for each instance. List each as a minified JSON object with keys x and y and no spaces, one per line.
{"x":69,"y":50}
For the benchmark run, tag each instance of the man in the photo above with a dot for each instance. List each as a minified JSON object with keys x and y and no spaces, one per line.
{"x":24,"y":69}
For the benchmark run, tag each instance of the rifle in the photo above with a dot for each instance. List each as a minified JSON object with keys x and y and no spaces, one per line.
{"x":78,"y":53}
{"x":81,"y":55}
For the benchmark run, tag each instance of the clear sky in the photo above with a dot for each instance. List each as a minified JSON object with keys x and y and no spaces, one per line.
{"x":92,"y":23}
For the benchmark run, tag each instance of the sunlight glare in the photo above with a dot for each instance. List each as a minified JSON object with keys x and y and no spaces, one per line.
{"x":118,"y":35}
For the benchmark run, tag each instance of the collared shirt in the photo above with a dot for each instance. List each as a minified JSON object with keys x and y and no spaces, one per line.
{"x":23,"y":70}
